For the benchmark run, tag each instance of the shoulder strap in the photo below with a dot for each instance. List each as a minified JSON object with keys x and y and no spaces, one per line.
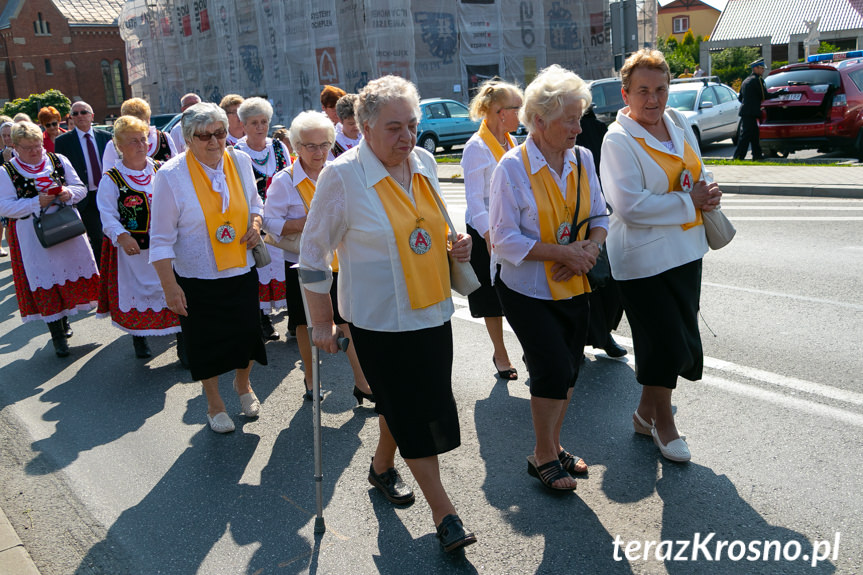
{"x":609,"y":209}
{"x":452,"y":236}
{"x":230,"y":150}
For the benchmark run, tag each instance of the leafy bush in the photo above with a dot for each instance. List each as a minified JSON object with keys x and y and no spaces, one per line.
{"x":35,"y":102}
{"x":733,"y":63}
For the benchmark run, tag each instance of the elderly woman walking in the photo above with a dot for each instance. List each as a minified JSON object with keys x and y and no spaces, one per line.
{"x":206,"y":219}
{"x":378,"y":203}
{"x":652,"y":173}
{"x":268,"y":157}
{"x":547,"y":221}
{"x":160,"y":146}
{"x":56,"y":282}
{"x":131,"y":293}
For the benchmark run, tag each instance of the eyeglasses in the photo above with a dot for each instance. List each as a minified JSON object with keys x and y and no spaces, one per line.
{"x":510,"y":108}
{"x":35,"y":148}
{"x":52,"y":124}
{"x":81,"y":113}
{"x":317,"y":147}
{"x":207,"y":136}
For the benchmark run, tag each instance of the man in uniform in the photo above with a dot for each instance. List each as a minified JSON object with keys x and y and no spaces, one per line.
{"x":752,"y":93}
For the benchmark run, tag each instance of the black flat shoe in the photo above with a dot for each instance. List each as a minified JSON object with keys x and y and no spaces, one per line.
{"x":67,"y":329}
{"x":452,"y":534}
{"x":361,"y":395}
{"x":58,"y":338}
{"x":307,"y":395}
{"x":509,"y":374}
{"x":613,"y":349}
{"x":267,"y":330}
{"x":142,"y":348}
{"x":391,"y":485}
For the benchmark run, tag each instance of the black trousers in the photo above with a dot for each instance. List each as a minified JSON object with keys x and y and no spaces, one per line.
{"x":747,"y":133}
{"x":89,"y":212}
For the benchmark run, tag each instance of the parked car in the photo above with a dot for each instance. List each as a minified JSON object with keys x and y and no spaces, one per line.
{"x":162,"y":120}
{"x":171,"y":123}
{"x":709,"y":106}
{"x":444,"y":123}
{"x":607,"y":99}
{"x":819,"y":105}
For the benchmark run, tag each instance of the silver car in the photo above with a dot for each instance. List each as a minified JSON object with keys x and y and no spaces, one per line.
{"x":710,"y":107}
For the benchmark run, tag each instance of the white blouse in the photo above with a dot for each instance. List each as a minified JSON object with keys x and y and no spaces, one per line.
{"x":268,"y":168}
{"x":110,"y":156}
{"x":645,"y":236}
{"x":514,"y":223}
{"x":346,"y":213}
{"x":179,"y":230}
{"x":66,"y":261}
{"x":478,"y":164}
{"x":285,"y":203}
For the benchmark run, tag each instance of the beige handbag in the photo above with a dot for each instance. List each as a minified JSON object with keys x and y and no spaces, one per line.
{"x":290,"y":242}
{"x":462,"y":278}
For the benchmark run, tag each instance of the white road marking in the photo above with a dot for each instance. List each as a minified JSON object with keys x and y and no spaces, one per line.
{"x":854,"y":306}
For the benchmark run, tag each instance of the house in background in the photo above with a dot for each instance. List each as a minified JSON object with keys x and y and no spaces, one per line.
{"x":675,"y":17}
{"x":71,"y":45}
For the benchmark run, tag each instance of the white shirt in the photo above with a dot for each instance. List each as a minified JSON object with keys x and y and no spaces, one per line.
{"x":478,"y":163}
{"x":177,"y":137}
{"x":645,"y":236}
{"x":179,"y":230}
{"x":514,"y":218}
{"x":268,"y":152}
{"x":284,"y":203}
{"x":346,"y":213}
{"x":111,"y":156}
{"x":83,"y":141}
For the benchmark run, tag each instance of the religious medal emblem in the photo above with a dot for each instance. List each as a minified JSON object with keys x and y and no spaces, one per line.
{"x":226,"y":233}
{"x":564,"y":234}
{"x":420,"y":241}
{"x":686,"y":183}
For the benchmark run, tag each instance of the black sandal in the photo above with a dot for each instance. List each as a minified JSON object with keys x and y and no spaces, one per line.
{"x":509,"y":374}
{"x":548,"y":473}
{"x":570,"y":462}
{"x":452,"y":534}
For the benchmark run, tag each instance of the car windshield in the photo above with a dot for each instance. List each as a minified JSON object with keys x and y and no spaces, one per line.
{"x":682,"y":100}
{"x":804,"y":77}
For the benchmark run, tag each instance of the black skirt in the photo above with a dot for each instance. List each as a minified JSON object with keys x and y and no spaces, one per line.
{"x":410,"y":373}
{"x":662,"y":311}
{"x":296,"y":311}
{"x":223,"y":328}
{"x":484,"y":301}
{"x":552,"y":335}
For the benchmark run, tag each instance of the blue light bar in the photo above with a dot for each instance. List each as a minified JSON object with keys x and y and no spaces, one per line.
{"x":835,"y":56}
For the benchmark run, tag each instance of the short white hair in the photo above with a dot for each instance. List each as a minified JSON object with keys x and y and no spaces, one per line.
{"x":547,"y":94}
{"x":309,"y":120}
{"x":255,"y":107}
{"x":380,"y":92}
{"x":200,"y":116}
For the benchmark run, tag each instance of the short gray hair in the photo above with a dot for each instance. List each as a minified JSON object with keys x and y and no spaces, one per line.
{"x":380,"y":92}
{"x":25,"y":131}
{"x":346,"y":107}
{"x":200,"y":116}
{"x":255,"y":107}
{"x":544,"y":97}
{"x":309,"y":120}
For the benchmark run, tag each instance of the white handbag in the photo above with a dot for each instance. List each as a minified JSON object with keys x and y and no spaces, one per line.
{"x":462,"y":278}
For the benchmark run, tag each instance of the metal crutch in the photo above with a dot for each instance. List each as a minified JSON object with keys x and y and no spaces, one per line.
{"x":314,"y":276}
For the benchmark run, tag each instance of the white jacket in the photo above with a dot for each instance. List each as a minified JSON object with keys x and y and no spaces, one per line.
{"x":645,"y":237}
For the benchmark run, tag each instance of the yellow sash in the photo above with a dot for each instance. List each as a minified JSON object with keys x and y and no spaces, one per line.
{"x":426,"y":275}
{"x":306,"y":188}
{"x":673,"y":167}
{"x":492,"y":143}
{"x":233,"y":254}
{"x":553,"y":210}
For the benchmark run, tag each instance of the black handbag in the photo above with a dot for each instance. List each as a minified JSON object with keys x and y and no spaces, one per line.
{"x":57,"y":227}
{"x":599,"y":275}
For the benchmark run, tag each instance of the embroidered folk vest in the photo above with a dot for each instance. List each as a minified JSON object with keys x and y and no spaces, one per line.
{"x":262,"y":181}
{"x":134,"y":208}
{"x":26,"y":187}
{"x":163,"y":150}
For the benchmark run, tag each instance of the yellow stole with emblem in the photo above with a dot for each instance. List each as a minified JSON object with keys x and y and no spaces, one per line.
{"x":426,"y":274}
{"x":306,"y":189}
{"x":553,"y":209}
{"x":673,"y":167}
{"x":492,"y":143}
{"x":231,"y":254}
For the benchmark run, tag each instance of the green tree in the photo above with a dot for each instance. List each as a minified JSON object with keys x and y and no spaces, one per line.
{"x":828,"y":48}
{"x":733,"y":63}
{"x":35,"y":102}
{"x":681,"y":55}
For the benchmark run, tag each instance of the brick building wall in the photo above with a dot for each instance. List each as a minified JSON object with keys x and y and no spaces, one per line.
{"x":37,"y":54}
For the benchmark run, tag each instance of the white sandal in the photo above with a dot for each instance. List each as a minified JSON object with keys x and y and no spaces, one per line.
{"x":221,"y":423}
{"x":676,"y":450}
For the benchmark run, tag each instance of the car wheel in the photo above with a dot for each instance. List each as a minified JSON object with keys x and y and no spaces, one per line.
{"x":697,"y":138}
{"x":429,"y":143}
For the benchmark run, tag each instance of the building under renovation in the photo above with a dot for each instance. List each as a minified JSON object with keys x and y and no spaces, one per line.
{"x":286,"y":50}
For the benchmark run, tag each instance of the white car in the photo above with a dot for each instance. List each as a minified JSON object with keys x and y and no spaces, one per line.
{"x":710,"y":107}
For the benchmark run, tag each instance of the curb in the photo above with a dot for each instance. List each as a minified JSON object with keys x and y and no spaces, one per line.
{"x":14,"y":559}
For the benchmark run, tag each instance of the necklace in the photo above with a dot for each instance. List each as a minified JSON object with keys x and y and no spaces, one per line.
{"x":140,"y":180}
{"x":30,"y":170}
{"x":404,"y":177}
{"x":262,"y":162}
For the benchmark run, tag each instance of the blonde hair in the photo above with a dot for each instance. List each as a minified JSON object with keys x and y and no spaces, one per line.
{"x":25,"y":130}
{"x":546,"y":95}
{"x":644,"y":58}
{"x":22,"y":117}
{"x":494,"y":91}
{"x":128,"y":125}
{"x":229,"y":101}
{"x":136,"y":107}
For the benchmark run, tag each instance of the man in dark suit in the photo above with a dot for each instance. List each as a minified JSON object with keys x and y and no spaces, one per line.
{"x":752,"y":93}
{"x":84,"y":147}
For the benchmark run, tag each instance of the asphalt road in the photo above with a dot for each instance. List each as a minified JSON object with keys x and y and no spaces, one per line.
{"x":107,"y":465}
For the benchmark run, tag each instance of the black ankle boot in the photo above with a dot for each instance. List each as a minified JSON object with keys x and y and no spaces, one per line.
{"x":67,"y":329}
{"x":182,"y":353}
{"x":142,"y":348}
{"x":267,"y":329}
{"x":58,"y":338}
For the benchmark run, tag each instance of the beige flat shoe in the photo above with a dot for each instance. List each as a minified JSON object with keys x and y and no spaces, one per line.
{"x":249,"y":402}
{"x":221,"y":423}
{"x":676,"y":450}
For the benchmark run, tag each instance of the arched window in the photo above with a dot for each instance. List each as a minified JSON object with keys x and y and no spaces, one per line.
{"x":41,"y":27}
